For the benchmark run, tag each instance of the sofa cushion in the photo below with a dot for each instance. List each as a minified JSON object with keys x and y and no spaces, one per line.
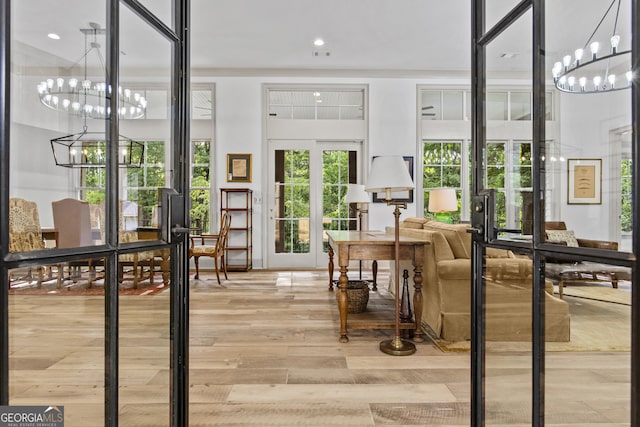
{"x":567,"y":236}
{"x":456,"y":235}
{"x":414,"y":222}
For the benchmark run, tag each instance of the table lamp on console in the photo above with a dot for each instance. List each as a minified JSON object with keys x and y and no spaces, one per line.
{"x":443,"y":201}
{"x":389,"y":174}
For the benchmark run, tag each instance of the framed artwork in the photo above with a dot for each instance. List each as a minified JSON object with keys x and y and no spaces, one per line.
{"x":585,"y":182}
{"x":400,"y":196}
{"x":238,"y":167}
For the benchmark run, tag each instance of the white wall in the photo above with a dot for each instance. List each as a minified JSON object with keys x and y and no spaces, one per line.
{"x":586,"y":121}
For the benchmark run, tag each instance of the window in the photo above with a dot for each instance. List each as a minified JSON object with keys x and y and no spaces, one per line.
{"x":316,"y":104}
{"x":141,"y":184}
{"x":201,"y":185}
{"x":443,"y":167}
{"x":514,"y":157}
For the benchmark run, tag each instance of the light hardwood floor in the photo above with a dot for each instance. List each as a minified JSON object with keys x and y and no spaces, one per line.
{"x":264,"y":351}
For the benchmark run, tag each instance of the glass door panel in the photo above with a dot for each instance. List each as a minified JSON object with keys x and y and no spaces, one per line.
{"x":338,"y":170}
{"x":292,"y":242}
{"x":508,"y":274}
{"x":591,"y":208}
{"x":56,"y":336}
{"x":145,"y":294}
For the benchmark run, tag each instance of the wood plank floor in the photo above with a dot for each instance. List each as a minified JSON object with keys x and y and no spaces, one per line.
{"x":264,"y":351}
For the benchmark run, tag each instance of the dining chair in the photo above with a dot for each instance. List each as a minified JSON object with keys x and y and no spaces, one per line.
{"x":72,"y":221}
{"x":212,"y":246}
{"x":25,"y":233}
{"x":137,"y":260}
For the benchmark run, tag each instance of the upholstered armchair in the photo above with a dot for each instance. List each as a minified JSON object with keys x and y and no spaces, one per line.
{"x":25,"y":233}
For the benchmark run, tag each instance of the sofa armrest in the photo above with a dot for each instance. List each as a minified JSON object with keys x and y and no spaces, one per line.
{"x":598,"y":244}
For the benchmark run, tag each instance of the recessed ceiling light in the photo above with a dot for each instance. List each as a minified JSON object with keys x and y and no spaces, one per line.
{"x":316,"y":94}
{"x":53,"y":36}
{"x":318,"y":42}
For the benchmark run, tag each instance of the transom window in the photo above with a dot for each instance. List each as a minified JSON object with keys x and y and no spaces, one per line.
{"x":316,"y":104}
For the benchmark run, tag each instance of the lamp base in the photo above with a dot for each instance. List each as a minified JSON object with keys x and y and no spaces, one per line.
{"x":397,"y":347}
{"x":444,"y":217}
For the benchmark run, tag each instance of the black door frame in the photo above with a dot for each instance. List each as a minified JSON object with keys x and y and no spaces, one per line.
{"x":538,"y":250}
{"x":179,"y":307}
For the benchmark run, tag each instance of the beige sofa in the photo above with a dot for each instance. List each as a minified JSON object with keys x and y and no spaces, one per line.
{"x":447,"y":283}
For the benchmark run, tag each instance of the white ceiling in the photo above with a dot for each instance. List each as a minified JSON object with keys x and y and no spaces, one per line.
{"x":363,"y":37}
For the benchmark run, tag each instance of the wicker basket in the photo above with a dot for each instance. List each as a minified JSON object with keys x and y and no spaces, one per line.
{"x":358,"y":293}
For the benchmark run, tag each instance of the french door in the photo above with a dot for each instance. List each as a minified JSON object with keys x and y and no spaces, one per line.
{"x":307,"y":184}
{"x":524,"y":302}
{"x":91,"y":318}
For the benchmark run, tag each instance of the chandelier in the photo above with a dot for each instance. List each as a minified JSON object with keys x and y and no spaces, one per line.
{"x":89,"y":150}
{"x":598,"y":73}
{"x":85,"y":98}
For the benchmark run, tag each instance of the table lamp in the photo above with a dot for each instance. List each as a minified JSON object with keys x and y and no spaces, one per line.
{"x":442,"y":201}
{"x":390,"y":174}
{"x":356,"y":194}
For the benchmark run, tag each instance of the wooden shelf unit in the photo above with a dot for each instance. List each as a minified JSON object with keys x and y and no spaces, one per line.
{"x":238,"y":202}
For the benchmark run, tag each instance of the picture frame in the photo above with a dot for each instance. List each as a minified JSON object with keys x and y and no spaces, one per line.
{"x":584,"y":181}
{"x":238,"y":167}
{"x":399,"y":196}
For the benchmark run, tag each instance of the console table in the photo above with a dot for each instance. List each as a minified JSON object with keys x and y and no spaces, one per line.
{"x":374,"y":245}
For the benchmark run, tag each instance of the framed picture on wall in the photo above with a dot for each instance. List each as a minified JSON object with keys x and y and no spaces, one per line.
{"x":238,"y":167}
{"x":584,"y":181}
{"x":400,"y":196}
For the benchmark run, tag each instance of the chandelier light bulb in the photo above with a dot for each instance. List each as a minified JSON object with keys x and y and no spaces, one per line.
{"x":83,"y":97}
{"x":566,"y":61}
{"x":583,"y":83}
{"x":563,"y":80}
{"x":614,"y":43}
{"x":572,"y":81}
{"x":596,"y":82}
{"x":578,"y":53}
{"x":594,"y":49}
{"x":612,"y":81}
{"x":556,"y":70}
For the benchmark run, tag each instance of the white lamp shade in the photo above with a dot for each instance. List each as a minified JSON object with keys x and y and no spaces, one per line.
{"x":387,"y":174}
{"x":443,"y":200}
{"x":356,"y":194}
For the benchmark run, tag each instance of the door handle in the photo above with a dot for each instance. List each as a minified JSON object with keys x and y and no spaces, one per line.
{"x":475,"y":230}
{"x":183,"y":230}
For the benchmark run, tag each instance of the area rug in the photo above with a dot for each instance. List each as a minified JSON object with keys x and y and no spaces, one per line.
{"x":79,"y":288}
{"x":600,"y":321}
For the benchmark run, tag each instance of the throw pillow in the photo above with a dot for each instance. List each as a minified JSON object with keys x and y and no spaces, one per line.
{"x":567,"y":236}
